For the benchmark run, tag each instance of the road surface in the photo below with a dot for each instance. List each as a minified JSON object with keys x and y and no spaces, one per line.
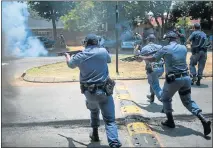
{"x":56,"y":115}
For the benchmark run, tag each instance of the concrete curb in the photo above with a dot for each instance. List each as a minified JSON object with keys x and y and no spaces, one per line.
{"x":137,"y":127}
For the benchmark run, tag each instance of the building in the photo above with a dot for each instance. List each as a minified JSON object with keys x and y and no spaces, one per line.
{"x":42,"y":27}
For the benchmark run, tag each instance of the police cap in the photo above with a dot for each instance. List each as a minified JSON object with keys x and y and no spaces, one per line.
{"x":197,"y":26}
{"x":150,"y":36}
{"x":91,"y":39}
{"x":171,"y":34}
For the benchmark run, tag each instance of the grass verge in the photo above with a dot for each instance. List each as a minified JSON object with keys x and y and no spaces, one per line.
{"x":126,"y":69}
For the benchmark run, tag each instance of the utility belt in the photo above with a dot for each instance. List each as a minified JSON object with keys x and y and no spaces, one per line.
{"x":107,"y":87}
{"x":198,"y":49}
{"x":170,"y":77}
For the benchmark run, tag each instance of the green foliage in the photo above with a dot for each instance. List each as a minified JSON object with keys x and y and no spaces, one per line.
{"x":50,"y":9}
{"x":183,"y":22}
{"x":89,"y":15}
{"x":194,"y":9}
{"x":85,"y":16}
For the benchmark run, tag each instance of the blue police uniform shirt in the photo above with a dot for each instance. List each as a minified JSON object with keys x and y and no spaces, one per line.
{"x":150,"y":47}
{"x":174,"y":56}
{"x":195,"y":37}
{"x":92,"y":63}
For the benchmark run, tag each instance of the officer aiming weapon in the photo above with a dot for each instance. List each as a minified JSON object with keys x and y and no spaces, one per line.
{"x":133,"y":58}
{"x":69,"y":52}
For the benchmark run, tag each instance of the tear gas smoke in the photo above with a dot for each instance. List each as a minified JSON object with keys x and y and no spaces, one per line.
{"x":19,"y":39}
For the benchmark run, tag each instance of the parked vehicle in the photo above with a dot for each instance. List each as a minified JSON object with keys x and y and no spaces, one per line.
{"x":46,"y":42}
{"x":132,"y":42}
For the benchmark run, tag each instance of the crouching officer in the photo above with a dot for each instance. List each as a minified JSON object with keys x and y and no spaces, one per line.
{"x":154,"y":70}
{"x":199,"y":53}
{"x":177,"y":79}
{"x":97,"y":87}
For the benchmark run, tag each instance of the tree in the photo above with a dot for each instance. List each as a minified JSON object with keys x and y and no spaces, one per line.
{"x":159,"y":9}
{"x":202,"y":10}
{"x":51,"y":10}
{"x":85,"y":16}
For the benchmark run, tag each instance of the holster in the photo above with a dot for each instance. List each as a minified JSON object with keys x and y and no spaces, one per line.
{"x":194,"y":50}
{"x":170,"y":78}
{"x":91,"y":88}
{"x":109,"y":86}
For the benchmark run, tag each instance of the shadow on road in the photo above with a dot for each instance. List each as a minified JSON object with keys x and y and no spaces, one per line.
{"x":152,"y":107}
{"x":201,"y":86}
{"x":71,"y":143}
{"x":179,"y":131}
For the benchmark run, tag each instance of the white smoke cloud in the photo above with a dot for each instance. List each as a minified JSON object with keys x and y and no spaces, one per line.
{"x":19,"y":40}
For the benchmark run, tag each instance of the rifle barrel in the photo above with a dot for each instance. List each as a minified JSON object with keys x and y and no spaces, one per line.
{"x":69,"y":52}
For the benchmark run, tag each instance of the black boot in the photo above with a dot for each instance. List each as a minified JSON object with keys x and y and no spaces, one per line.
{"x":94,"y":135}
{"x":151,"y":97}
{"x":169,"y":122}
{"x":198,"y":81}
{"x":206,"y":124}
{"x":194,"y":79}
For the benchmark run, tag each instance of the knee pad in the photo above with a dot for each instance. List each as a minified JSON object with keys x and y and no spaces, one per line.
{"x":185,"y":92}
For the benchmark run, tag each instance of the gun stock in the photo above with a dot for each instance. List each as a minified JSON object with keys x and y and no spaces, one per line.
{"x":69,"y":52}
{"x":147,"y":54}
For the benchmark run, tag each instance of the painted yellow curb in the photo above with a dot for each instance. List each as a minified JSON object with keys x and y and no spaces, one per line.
{"x":123,"y":97}
{"x":138,"y":128}
{"x":131,"y":109}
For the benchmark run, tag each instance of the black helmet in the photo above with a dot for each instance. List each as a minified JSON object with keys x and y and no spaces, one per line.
{"x":197,"y":26}
{"x":150,"y":36}
{"x":91,"y":39}
{"x":171,"y":34}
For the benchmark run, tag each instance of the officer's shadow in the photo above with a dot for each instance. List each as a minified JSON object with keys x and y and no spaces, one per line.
{"x":201,"y":86}
{"x":71,"y":143}
{"x":178,"y":131}
{"x":151,"y":107}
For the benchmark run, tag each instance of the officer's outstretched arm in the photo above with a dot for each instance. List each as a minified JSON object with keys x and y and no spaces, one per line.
{"x":75,"y":60}
{"x":148,"y":58}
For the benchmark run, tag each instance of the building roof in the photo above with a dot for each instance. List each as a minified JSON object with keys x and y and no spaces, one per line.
{"x":43,"y":24}
{"x":154,"y":23}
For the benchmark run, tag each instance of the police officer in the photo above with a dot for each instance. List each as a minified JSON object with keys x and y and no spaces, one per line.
{"x":181,"y":34}
{"x":94,"y":81}
{"x":62,"y":42}
{"x":153,"y":69}
{"x":199,"y":53}
{"x":177,"y":79}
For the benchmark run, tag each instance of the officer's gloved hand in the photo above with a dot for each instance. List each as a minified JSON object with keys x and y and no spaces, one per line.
{"x":136,"y":52}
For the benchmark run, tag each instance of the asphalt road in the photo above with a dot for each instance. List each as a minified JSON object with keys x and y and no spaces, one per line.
{"x":41,"y":114}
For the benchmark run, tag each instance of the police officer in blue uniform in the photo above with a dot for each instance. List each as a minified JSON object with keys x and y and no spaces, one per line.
{"x":199,"y":53}
{"x":97,"y":87}
{"x":177,"y":79}
{"x":154,"y":70}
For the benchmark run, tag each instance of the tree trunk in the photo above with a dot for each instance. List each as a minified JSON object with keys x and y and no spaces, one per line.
{"x":163,"y":26}
{"x":159,"y":28}
{"x":54,"y":25}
